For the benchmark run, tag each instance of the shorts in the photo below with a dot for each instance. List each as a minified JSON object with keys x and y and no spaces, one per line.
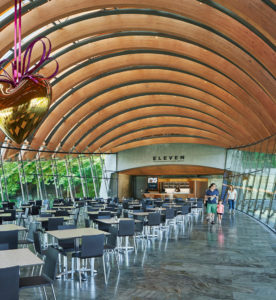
{"x":220,"y":214}
{"x":211,"y":208}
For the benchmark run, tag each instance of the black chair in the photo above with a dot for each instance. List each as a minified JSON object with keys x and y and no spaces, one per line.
{"x":126,"y":229}
{"x":111,"y":244}
{"x":169,"y":215}
{"x":38,"y":203}
{"x":61,"y":213}
{"x":48,"y":275}
{"x":37,"y":244}
{"x":9,"y":283}
{"x":4,"y":246}
{"x":12,"y":218}
{"x":35,"y":210}
{"x":91,"y":247}
{"x":30,"y":236}
{"x":185,"y":211}
{"x":66,"y":246}
{"x":24,"y":216}
{"x":154,"y":221}
{"x":10,"y":238}
{"x":11,"y":205}
{"x":53,"y":223}
{"x":87,"y":222}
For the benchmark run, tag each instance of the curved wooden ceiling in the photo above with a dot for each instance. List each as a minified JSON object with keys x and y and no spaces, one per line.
{"x":143,"y":72}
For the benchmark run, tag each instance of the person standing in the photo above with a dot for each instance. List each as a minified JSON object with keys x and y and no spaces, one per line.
{"x":211,"y":197}
{"x":231,"y":198}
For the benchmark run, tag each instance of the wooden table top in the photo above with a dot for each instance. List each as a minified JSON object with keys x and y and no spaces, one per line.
{"x":94,"y":213}
{"x":53,"y":211}
{"x":9,"y":227}
{"x":2,"y":215}
{"x":75,"y":233}
{"x":140,"y":213}
{"x":46,"y":219}
{"x":115,"y":221}
{"x":64,"y":207}
{"x":17,"y":210}
{"x":19,"y":257}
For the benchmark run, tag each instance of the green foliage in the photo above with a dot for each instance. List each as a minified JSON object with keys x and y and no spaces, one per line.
{"x":44,"y":171}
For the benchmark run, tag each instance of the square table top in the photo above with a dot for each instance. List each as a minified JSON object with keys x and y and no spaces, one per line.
{"x":115,"y":221}
{"x":22,"y":257}
{"x":140,"y":213}
{"x":75,"y":233}
{"x":46,"y":219}
{"x":17,"y":210}
{"x":94,"y":213}
{"x":2,"y":215}
{"x":64,"y":207}
{"x":9,"y":227}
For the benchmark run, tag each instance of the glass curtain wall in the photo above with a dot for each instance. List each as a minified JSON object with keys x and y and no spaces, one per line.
{"x":252,"y":171}
{"x":46,"y":179}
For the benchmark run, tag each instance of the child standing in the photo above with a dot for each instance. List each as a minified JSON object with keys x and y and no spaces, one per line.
{"x":220,"y":211}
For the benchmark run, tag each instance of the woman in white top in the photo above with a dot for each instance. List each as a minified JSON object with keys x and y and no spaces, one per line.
{"x":231,"y":198}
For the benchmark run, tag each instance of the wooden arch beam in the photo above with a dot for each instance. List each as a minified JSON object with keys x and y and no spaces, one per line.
{"x":161,"y":122}
{"x":193,"y":10}
{"x":161,"y":131}
{"x":87,"y":111}
{"x":96,"y":103}
{"x":85,"y":73}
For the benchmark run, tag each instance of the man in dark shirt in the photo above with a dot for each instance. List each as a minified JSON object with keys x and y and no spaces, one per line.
{"x":211,"y":197}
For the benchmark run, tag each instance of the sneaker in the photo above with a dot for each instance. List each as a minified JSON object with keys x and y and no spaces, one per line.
{"x":213,"y":222}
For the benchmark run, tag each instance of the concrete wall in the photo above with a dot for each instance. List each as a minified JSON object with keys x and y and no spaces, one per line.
{"x":194,"y":154}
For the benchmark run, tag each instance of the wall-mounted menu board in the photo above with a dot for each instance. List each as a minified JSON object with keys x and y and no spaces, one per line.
{"x":152,"y":183}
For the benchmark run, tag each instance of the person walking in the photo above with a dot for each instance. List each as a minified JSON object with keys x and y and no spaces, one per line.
{"x":211,"y":197}
{"x":231,"y":199}
{"x":220,"y":211}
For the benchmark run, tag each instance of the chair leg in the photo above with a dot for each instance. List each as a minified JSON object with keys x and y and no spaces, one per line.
{"x":53,"y":291}
{"x":45,"y":293}
{"x":117,"y":259}
{"x":104,"y":270}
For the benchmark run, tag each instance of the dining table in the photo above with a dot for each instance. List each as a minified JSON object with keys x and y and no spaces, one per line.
{"x":22,"y":257}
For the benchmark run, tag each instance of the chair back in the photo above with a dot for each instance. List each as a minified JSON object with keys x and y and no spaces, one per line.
{"x":9,"y":283}
{"x":38,"y":203}
{"x":170,"y":213}
{"x":87,"y":222}
{"x":185,"y":209}
{"x":90,"y":208}
{"x":49,"y":269}
{"x":37,"y":242}
{"x":154,"y":219}
{"x":92,"y":246}
{"x":12,"y":216}
{"x":11,"y":205}
{"x":4,"y":246}
{"x":126,"y":228}
{"x":111,"y":241}
{"x":32,"y":228}
{"x":35,"y":210}
{"x":67,"y":243}
{"x":53,"y":223}
{"x":139,"y":226}
{"x":61,"y":213}
{"x":10,"y":238}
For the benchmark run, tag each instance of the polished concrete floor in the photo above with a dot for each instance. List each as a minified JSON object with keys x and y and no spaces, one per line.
{"x":236,"y":260}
